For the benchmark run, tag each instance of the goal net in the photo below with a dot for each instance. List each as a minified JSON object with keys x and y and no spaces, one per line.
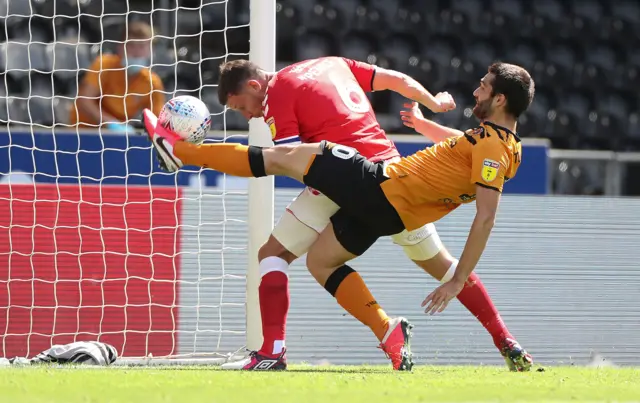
{"x":96,"y":243}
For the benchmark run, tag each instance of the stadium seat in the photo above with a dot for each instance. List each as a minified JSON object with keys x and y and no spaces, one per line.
{"x":627,"y":10}
{"x":4,"y":114}
{"x":387,"y":8}
{"x":61,"y":108}
{"x":450,"y":22}
{"x":526,"y":55}
{"x":513,"y":9}
{"x":441,"y":49}
{"x":576,"y":103}
{"x":410,"y":19}
{"x":358,"y":46}
{"x":553,"y":10}
{"x":369,"y":19}
{"x":347,"y":8}
{"x":287,"y":23}
{"x":481,"y":53}
{"x":65,"y":59}
{"x":400,"y":48}
{"x":18,"y":111}
{"x":18,"y":59}
{"x":591,"y":10}
{"x":324,"y":17}
{"x":163,"y":61}
{"x":313,"y":45}
{"x":469,"y":7}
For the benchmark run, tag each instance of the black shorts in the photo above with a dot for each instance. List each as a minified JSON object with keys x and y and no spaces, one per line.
{"x":353,"y":183}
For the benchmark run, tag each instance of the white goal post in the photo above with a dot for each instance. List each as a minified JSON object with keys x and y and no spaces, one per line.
{"x":95,"y":242}
{"x":261,"y":190}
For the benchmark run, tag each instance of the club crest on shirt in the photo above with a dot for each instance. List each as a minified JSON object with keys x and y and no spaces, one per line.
{"x":272,"y":126}
{"x":490,"y":170}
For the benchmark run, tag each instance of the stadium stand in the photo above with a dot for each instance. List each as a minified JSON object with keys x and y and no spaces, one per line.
{"x":581,"y":52}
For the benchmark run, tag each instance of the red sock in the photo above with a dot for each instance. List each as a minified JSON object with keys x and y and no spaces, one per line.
{"x":475,"y":298}
{"x":274,"y":306}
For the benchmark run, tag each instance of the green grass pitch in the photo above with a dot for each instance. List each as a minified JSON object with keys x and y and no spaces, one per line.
{"x":305,"y":384}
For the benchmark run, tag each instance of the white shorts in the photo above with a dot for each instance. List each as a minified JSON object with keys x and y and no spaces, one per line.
{"x":310,"y":213}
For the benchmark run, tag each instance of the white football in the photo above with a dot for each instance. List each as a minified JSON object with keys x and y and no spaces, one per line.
{"x":187,"y":117}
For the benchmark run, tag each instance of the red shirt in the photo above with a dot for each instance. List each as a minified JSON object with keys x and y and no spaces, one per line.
{"x":324,"y":99}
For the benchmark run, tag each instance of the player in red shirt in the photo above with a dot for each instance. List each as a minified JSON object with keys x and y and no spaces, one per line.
{"x":324,"y":99}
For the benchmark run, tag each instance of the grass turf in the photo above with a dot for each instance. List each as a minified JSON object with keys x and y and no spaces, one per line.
{"x":302,"y":384}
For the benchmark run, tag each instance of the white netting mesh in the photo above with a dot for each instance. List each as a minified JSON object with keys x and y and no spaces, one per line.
{"x":95,"y":242}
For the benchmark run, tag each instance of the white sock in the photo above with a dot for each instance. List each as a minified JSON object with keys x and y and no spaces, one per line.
{"x":273,"y":263}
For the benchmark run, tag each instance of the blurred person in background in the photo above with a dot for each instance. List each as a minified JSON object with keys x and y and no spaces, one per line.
{"x":119,"y":86}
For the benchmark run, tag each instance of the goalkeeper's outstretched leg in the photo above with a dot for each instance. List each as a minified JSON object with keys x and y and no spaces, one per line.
{"x":233,"y":159}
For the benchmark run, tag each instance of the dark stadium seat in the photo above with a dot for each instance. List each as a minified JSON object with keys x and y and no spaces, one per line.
{"x":591,"y":10}
{"x":3,"y":105}
{"x":324,"y":17}
{"x":18,"y":110}
{"x":388,"y":8}
{"x":19,"y":58}
{"x":400,"y":48}
{"x":627,"y":10}
{"x":369,"y":19}
{"x":525,"y":54}
{"x":632,"y":142}
{"x":347,"y":8}
{"x":554,"y":10}
{"x":577,"y":103}
{"x":312,"y":45}
{"x":441,"y":49}
{"x":411,"y":19}
{"x":15,"y":13}
{"x":603,"y":55}
{"x":450,"y":22}
{"x":514,"y":9}
{"x":65,"y":59}
{"x":288,"y":21}
{"x":471,"y":8}
{"x":481,"y":53}
{"x":358,"y":46}
{"x":61,"y":108}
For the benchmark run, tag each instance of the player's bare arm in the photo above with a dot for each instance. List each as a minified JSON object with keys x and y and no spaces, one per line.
{"x":487,"y":201}
{"x":409,"y":88}
{"x":412,"y":117}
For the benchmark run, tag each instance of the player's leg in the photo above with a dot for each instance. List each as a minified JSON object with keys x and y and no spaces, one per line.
{"x":233,"y":159}
{"x":326,"y":261}
{"x":298,"y":228}
{"x":424,"y":247}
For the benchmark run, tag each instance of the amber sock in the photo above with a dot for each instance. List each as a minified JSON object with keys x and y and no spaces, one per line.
{"x":346,"y":285}
{"x":232,"y":159}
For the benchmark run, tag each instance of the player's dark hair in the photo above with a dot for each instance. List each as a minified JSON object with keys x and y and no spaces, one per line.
{"x":233,"y":75}
{"x":516,"y":84}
